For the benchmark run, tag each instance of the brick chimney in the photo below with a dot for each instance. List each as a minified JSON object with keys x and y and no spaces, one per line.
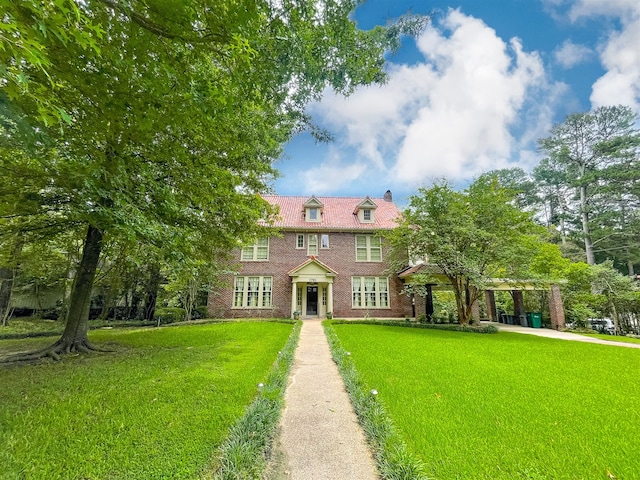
{"x":387,"y":196}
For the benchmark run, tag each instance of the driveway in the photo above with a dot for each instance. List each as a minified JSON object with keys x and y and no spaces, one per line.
{"x":547,"y":332}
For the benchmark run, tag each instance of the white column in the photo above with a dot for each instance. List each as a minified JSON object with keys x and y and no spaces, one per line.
{"x":330,"y":297}
{"x":294,"y":296}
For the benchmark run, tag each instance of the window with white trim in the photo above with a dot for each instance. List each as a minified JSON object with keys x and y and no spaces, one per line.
{"x":312,"y":244}
{"x":257,"y":251}
{"x":313,"y":214}
{"x":300,"y":240}
{"x":324,"y":240}
{"x":369,"y":292}
{"x":252,"y":292}
{"x":368,"y":248}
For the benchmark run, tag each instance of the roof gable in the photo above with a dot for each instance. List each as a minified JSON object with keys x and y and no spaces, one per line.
{"x":366,"y":203}
{"x":313,"y":202}
{"x":313,"y":266}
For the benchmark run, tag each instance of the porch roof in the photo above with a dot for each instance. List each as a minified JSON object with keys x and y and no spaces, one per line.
{"x":440,"y":280}
{"x":300,"y":269}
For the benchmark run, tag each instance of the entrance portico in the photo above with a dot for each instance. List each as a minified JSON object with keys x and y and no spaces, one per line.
{"x":312,"y":289}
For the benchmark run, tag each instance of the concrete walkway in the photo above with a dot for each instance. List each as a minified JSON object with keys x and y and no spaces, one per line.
{"x":547,"y":332}
{"x":319,"y":438}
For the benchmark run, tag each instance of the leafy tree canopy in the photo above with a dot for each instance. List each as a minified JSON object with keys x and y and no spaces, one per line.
{"x":470,"y":236}
{"x":594,"y":156}
{"x":174,"y":110}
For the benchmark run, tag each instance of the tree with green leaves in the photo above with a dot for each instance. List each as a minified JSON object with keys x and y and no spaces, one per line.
{"x":469,"y":237}
{"x":173,"y":119}
{"x":27,"y":29}
{"x":613,"y":286}
{"x":595,"y":153}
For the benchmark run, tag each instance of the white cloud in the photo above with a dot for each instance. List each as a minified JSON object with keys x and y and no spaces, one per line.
{"x":332,"y":175}
{"x":621,"y":58}
{"x":450,"y":115}
{"x":588,"y":8}
{"x":570,"y":54}
{"x":619,"y":53}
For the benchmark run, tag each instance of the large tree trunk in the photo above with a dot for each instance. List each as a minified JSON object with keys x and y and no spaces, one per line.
{"x":586,"y":229}
{"x":152,"y":287}
{"x":460,"y":289}
{"x":7,"y":277}
{"x":616,"y":320}
{"x":74,"y":338}
{"x":77,"y":322}
{"x":6,"y":288}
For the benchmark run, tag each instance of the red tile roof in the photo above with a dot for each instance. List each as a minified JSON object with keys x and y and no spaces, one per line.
{"x":338,"y":213}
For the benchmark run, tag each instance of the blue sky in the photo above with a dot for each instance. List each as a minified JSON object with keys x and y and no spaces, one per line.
{"x":473,"y":93}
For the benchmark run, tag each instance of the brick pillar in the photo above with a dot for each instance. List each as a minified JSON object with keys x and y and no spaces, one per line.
{"x":556,"y":309}
{"x":490,"y":300}
{"x":475,"y":312}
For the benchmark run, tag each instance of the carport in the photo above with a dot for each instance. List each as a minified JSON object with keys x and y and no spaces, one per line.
{"x":439,"y":281}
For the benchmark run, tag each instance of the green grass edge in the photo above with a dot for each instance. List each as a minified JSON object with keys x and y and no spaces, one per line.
{"x":395,"y":461}
{"x":245,"y":452}
{"x":452,"y":327}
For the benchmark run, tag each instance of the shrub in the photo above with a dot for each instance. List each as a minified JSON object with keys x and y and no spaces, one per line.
{"x":455,"y":327}
{"x":579,"y":314}
{"x":169,"y":315}
{"x":200,"y":311}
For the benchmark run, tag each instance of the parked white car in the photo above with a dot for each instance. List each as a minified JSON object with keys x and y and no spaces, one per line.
{"x":603,"y":325}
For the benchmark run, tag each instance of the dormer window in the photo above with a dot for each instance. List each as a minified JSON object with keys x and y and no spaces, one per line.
{"x":313,"y":210}
{"x":366,"y":211}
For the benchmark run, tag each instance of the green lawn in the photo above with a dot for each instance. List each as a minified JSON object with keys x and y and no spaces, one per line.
{"x":35,"y":326}
{"x":158,"y":408}
{"x":505,"y":405}
{"x":612,"y":338}
{"x":31,"y":325}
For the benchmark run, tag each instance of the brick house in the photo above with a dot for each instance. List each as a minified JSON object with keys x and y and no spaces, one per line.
{"x":328,"y":258}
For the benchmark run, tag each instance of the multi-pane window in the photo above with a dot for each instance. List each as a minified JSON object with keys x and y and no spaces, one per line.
{"x":300,"y":240}
{"x":257,"y":251}
{"x":313,"y":214}
{"x":368,"y":248}
{"x":252,"y":292}
{"x":370,"y":292}
{"x":312,"y":244}
{"x":324,"y":296}
{"x":324,"y":240}
{"x":366,"y":215}
{"x":299,"y":298}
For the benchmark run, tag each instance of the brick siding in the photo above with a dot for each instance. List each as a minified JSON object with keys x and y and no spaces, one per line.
{"x":284,"y":257}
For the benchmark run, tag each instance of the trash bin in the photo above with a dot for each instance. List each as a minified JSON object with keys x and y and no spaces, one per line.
{"x":535,"y":319}
{"x":523,"y":321}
